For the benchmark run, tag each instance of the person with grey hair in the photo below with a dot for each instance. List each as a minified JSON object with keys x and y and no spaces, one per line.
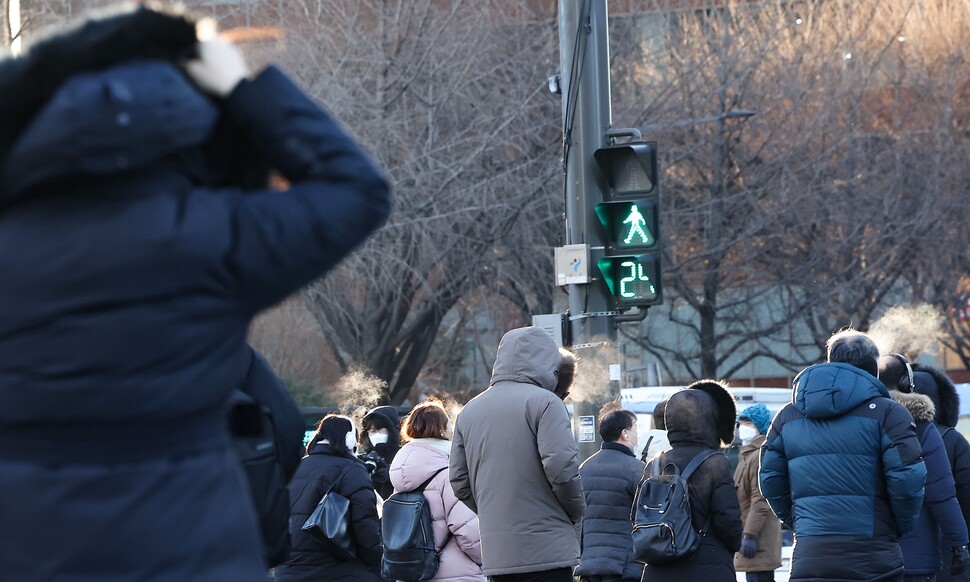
{"x":841,"y":467}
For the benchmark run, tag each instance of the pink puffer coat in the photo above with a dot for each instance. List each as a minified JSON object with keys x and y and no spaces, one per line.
{"x":462,"y":557}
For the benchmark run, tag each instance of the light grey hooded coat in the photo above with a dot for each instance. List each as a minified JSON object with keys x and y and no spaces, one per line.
{"x":514,"y":461}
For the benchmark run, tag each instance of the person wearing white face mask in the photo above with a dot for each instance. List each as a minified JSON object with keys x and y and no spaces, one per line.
{"x":610,"y":480}
{"x":760,"y":551}
{"x":378,"y":445}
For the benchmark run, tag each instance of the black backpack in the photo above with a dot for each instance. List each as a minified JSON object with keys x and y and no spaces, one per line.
{"x":410,"y":554}
{"x":662,"y":528}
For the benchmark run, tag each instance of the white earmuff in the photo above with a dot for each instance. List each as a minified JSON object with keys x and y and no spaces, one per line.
{"x":350,"y":439}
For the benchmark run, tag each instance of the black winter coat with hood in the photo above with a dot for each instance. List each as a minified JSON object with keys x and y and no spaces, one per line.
{"x":940,"y":525}
{"x":130,"y":278}
{"x":309,"y":561}
{"x":937,"y":385}
{"x":696,"y":419}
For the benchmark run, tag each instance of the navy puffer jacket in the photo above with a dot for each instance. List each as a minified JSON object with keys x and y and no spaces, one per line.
{"x":841,"y":466}
{"x":940,"y":525}
{"x":947,"y":402}
{"x":610,"y":479}
{"x":125,"y":302}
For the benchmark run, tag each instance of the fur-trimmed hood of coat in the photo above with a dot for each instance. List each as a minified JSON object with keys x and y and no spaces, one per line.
{"x":704,"y":413}
{"x":918,"y":405}
{"x":104,"y":40}
{"x":934,"y":383}
{"x":108,"y":96}
{"x":929,"y":380}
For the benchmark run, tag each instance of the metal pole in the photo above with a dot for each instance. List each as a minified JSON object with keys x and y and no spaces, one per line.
{"x":587,"y":116}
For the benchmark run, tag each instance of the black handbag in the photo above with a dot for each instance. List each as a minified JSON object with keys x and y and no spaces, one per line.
{"x":329,"y":523}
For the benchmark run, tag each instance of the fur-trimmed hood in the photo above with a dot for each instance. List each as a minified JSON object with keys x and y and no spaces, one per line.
{"x":704,"y":413}
{"x":934,"y":383}
{"x":930,"y":381}
{"x":67,"y":116}
{"x":108,"y":38}
{"x":919,"y":406}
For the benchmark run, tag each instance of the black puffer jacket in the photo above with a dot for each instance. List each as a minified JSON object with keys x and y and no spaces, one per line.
{"x":695,"y":421}
{"x":610,"y":479}
{"x":309,"y":561}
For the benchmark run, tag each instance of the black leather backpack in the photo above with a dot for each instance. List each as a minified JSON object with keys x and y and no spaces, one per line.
{"x":410,"y":554}
{"x":662,"y":528}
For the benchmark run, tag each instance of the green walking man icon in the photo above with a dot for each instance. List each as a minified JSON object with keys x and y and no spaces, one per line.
{"x":637,"y":222}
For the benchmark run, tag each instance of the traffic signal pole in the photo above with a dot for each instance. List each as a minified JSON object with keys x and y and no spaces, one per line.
{"x":587,"y":117}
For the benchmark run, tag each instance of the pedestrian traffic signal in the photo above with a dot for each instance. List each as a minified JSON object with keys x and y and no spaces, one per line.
{"x":634,"y":280}
{"x":630,"y":218}
{"x":630,"y":225}
{"x":630,"y":168}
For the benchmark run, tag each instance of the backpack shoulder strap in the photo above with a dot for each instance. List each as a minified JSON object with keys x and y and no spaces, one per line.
{"x":428,"y":481}
{"x":697,"y":461}
{"x":340,"y":476}
{"x":646,"y":450}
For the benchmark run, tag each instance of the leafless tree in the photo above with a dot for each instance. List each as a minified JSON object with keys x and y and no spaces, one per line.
{"x":785,"y":226}
{"x":449,"y":96}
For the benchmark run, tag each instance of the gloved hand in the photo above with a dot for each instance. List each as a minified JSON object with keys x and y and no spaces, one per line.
{"x":961,"y":557}
{"x":749,"y":546}
{"x":219,"y":68}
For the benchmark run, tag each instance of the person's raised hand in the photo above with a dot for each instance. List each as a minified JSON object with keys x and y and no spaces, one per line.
{"x":219,"y":67}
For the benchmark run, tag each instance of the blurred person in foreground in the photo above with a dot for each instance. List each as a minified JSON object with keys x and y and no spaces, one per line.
{"x":760,"y":553}
{"x":514,"y":463}
{"x":330,"y":461}
{"x":138,"y":239}
{"x":427,"y":430}
{"x":841,"y":467}
{"x":610,"y":478}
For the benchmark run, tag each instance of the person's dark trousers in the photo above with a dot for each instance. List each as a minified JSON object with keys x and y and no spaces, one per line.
{"x":608,"y":579}
{"x":557,"y":575}
{"x":768,"y":576}
{"x":919,"y":578}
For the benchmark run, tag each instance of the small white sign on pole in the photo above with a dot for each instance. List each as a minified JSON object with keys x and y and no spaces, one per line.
{"x":616,"y":373}
{"x":587,"y":429}
{"x":572,"y":264}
